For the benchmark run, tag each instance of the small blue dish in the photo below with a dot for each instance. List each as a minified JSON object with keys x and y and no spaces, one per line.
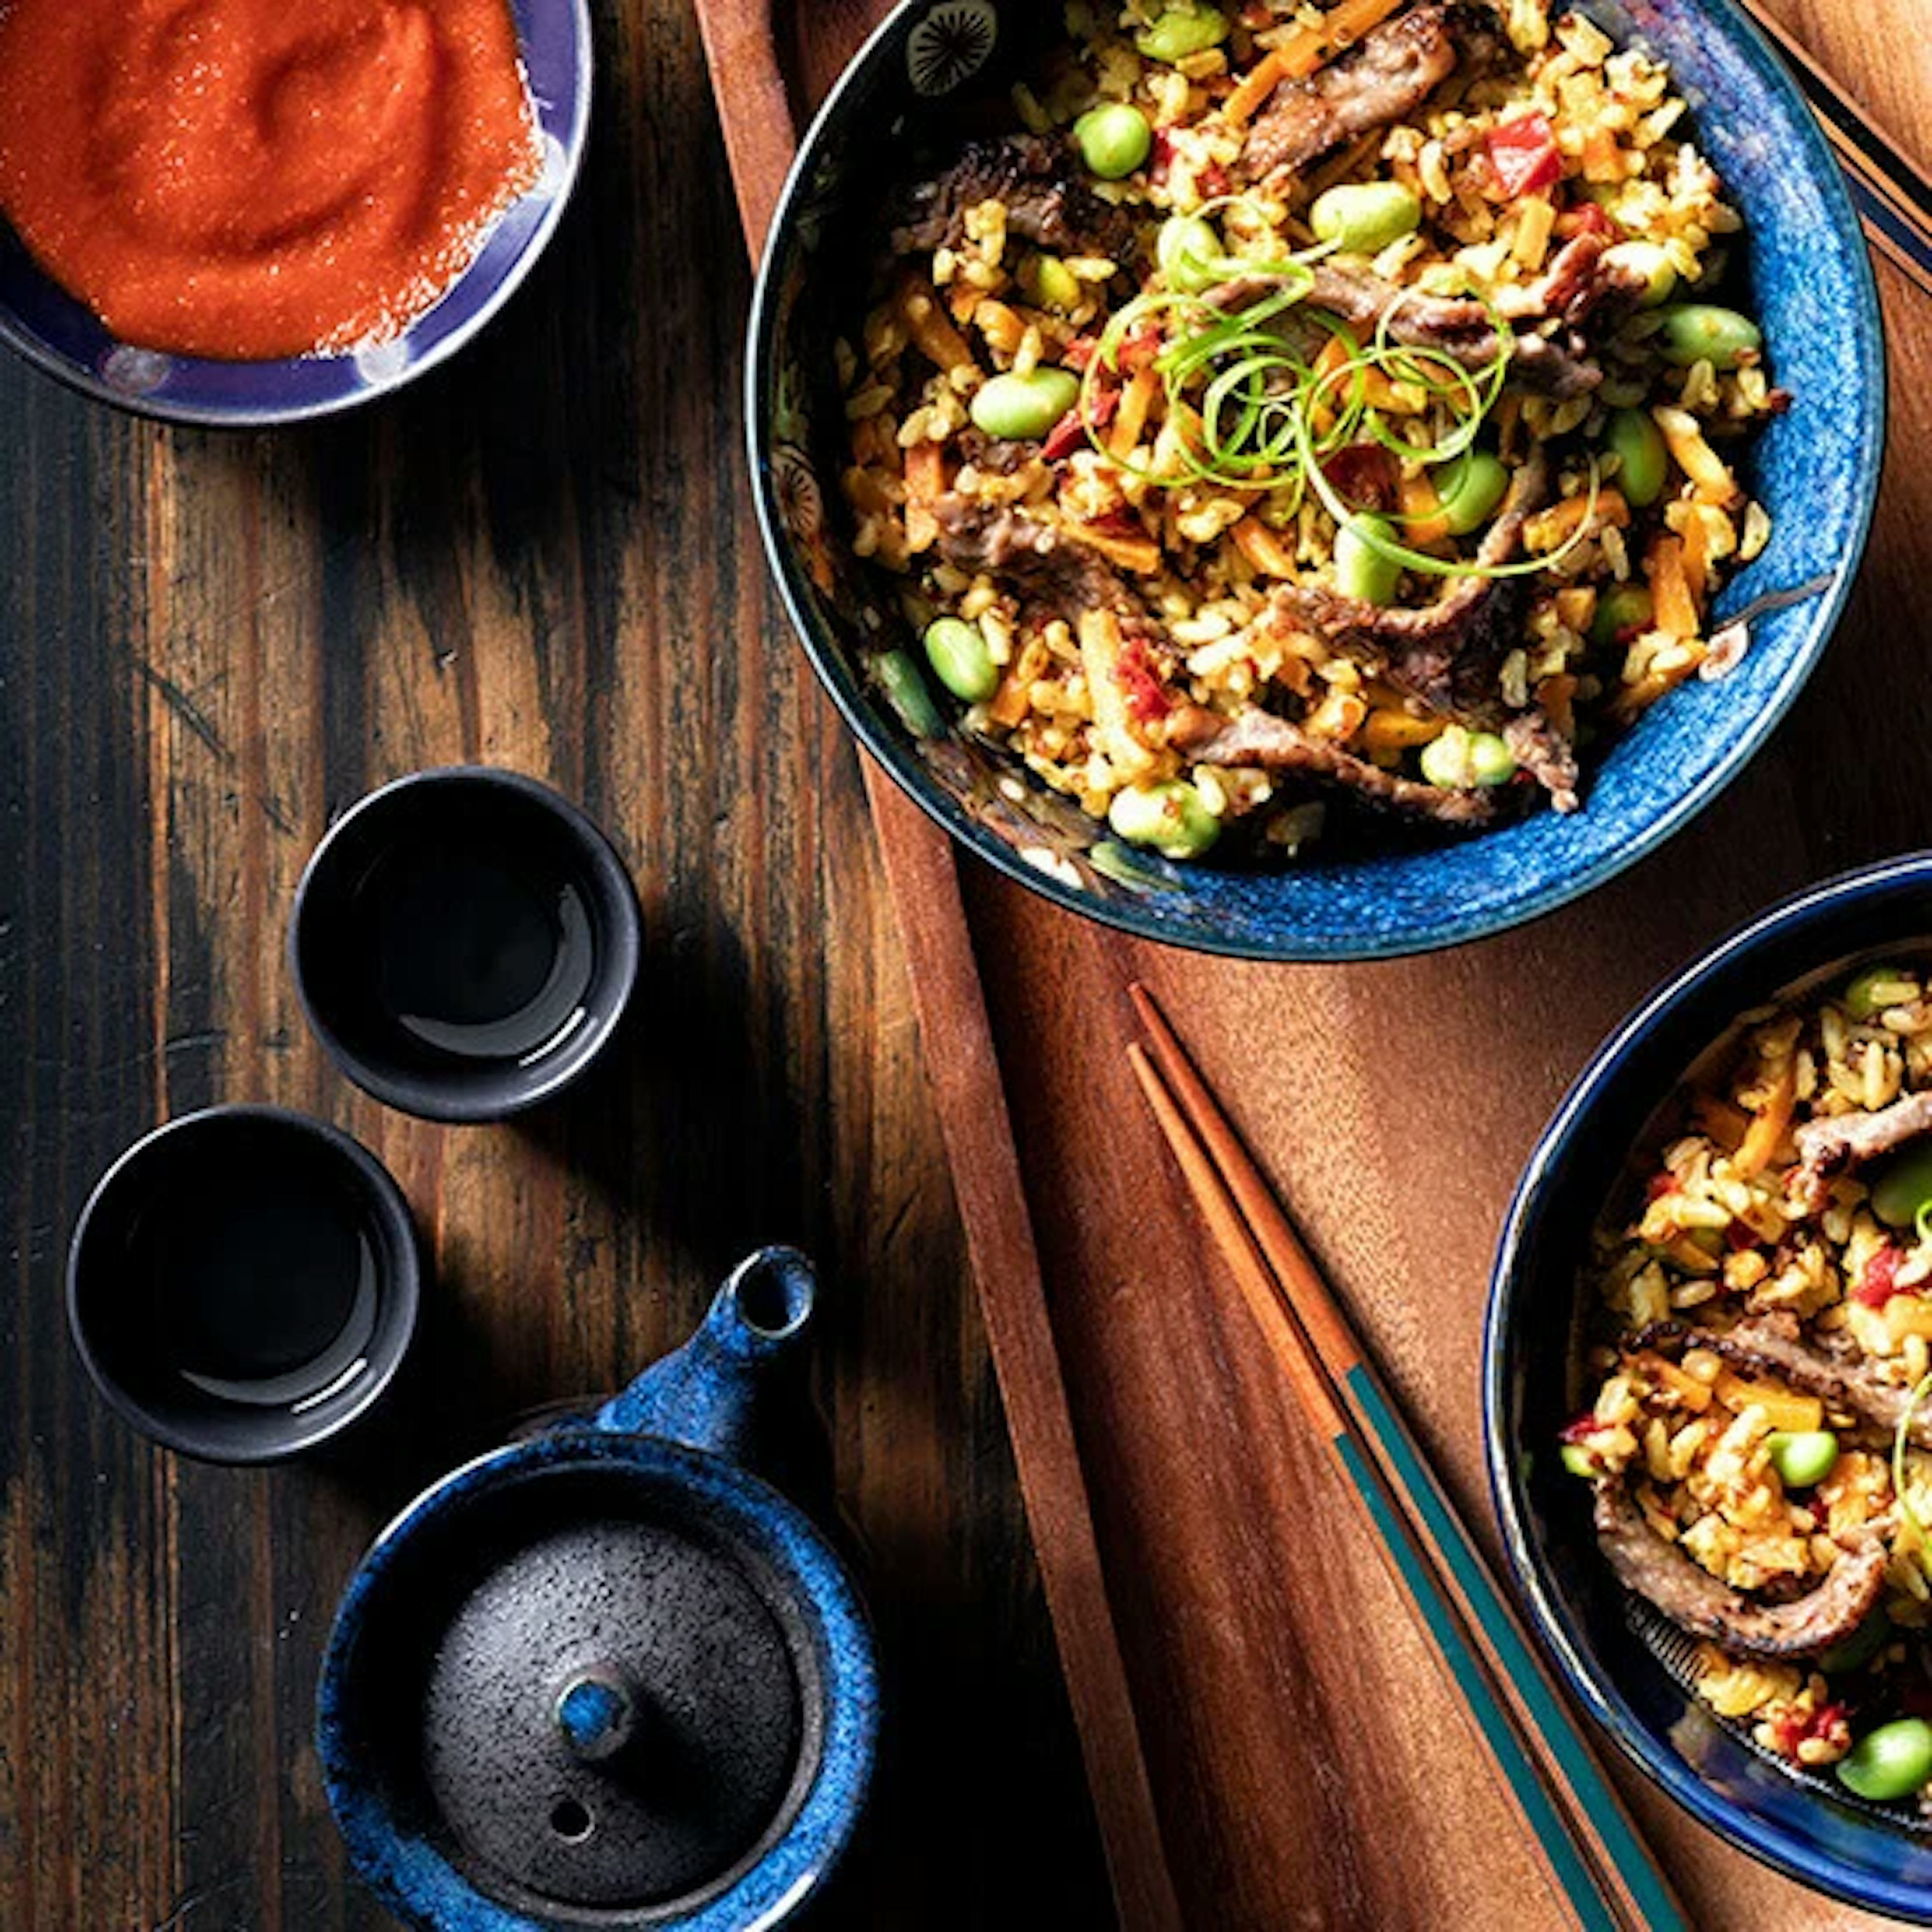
{"x":64,"y":338}
{"x":606,"y":1676}
{"x":912,"y":92}
{"x":1533,"y":1385}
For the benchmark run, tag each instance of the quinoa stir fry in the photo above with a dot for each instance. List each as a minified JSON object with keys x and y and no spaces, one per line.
{"x":1759,"y":1446}
{"x":1303,"y":408}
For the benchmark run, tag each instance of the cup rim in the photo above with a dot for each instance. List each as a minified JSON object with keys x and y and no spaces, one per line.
{"x":401,"y":1261}
{"x":426,"y":1096}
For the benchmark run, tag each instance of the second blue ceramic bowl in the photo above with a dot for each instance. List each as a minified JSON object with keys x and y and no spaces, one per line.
{"x":65,"y":338}
{"x":910,"y":94}
{"x":1533,"y":1385}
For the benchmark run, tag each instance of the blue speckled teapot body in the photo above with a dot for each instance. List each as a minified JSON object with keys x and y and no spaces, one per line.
{"x":558,"y":1657}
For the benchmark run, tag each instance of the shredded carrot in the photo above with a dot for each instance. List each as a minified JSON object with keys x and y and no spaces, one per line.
{"x":1694,"y":456}
{"x":1697,"y":556}
{"x":1673,"y":611}
{"x":1011,"y":702}
{"x":1395,"y":730}
{"x":1314,"y":47}
{"x":933,"y":334}
{"x":1263,"y":548}
{"x":1423,"y":524}
{"x":1556,"y":526}
{"x":1554,"y":694}
{"x":1140,"y":554}
{"x":1800,"y":1413}
{"x":1261,"y":80}
{"x":925,"y":484}
{"x":1767,"y":1127}
{"x":1131,"y":418}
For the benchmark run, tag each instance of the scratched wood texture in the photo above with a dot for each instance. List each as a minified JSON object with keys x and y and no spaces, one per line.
{"x":542,"y":557}
{"x":1310,"y":1765}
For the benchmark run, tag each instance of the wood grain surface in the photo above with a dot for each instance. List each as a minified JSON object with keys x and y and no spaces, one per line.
{"x":1309,"y":1766}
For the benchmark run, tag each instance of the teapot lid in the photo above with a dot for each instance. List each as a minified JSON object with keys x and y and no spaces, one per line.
{"x":615,"y":1703}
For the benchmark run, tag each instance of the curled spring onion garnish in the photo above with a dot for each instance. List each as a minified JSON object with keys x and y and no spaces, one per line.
{"x":1924,"y":1541}
{"x":1251,"y":411}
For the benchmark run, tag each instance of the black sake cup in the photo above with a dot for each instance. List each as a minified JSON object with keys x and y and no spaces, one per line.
{"x":242,"y":1283}
{"x":464,"y":942}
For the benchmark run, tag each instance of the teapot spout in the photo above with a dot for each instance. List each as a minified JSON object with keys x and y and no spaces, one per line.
{"x":703,"y":1396}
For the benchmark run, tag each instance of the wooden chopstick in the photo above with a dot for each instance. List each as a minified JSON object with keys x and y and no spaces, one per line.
{"x":1594,"y":1851}
{"x":1892,"y":189}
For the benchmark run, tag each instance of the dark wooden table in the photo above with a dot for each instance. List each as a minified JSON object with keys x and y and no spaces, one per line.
{"x":541,"y":557}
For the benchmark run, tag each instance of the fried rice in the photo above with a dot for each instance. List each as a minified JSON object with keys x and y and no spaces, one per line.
{"x":1772,"y":1284}
{"x":1167,"y":634}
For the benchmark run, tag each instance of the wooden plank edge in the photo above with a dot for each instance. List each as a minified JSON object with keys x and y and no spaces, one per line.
{"x":963,"y":1066}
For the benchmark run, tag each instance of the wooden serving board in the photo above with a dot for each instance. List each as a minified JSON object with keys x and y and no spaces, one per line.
{"x":1269,"y":1742}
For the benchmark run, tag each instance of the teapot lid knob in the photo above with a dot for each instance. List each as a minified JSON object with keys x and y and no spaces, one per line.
{"x":596,"y":1712}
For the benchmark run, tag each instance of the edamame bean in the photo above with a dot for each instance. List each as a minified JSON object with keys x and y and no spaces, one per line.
{"x":1904,"y":1189}
{"x":1181,"y":30}
{"x":1050,"y":284}
{"x":1189,"y":252}
{"x":1362,"y":570}
{"x":906,"y":692}
{"x":1702,"y":332}
{"x":1878,"y":987}
{"x":1622,"y":609}
{"x":1891,"y":1762}
{"x":1171,"y":817}
{"x":1113,"y":139}
{"x":957,"y":653}
{"x":1363,"y":217}
{"x":1802,"y":1457}
{"x":1643,"y":458}
{"x":1461,"y":758}
{"x":1859,"y":1648}
{"x":1016,"y":409}
{"x":1646,"y":263}
{"x":1467,"y":490}
{"x":1578,"y":1462}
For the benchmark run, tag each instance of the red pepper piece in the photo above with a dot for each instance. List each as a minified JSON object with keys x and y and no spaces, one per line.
{"x":1524,"y":155}
{"x":1879,"y":1283}
{"x":1585,"y":218}
{"x":1135,"y":675}
{"x":1366,"y":475}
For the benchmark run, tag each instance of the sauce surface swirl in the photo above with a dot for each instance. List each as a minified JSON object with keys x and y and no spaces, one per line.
{"x":246,"y":179}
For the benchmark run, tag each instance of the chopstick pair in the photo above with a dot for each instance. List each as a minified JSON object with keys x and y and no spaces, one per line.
{"x":1594,"y":1853}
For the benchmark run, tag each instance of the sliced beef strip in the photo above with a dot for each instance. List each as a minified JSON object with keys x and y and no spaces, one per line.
{"x":1046,"y":201}
{"x":1844,"y":1380}
{"x":1828,"y":1147}
{"x":1456,"y":326}
{"x":1662,"y":1574}
{"x":1257,"y":737}
{"x":1446,"y":654}
{"x":1041,"y":562}
{"x":1578,"y":287}
{"x":1383,"y":78}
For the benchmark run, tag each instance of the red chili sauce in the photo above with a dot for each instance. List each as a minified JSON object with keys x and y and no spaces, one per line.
{"x":254,"y":178}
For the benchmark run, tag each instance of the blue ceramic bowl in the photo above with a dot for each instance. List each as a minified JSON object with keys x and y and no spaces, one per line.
{"x":63,"y":337}
{"x":1533,"y":1384}
{"x":1816,"y":468}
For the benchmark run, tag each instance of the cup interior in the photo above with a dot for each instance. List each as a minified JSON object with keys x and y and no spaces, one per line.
{"x":243,"y":1283}
{"x":464,"y":943}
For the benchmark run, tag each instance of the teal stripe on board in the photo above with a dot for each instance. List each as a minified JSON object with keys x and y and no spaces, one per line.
{"x":1579,"y":1885}
{"x":1573,"y":1755}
